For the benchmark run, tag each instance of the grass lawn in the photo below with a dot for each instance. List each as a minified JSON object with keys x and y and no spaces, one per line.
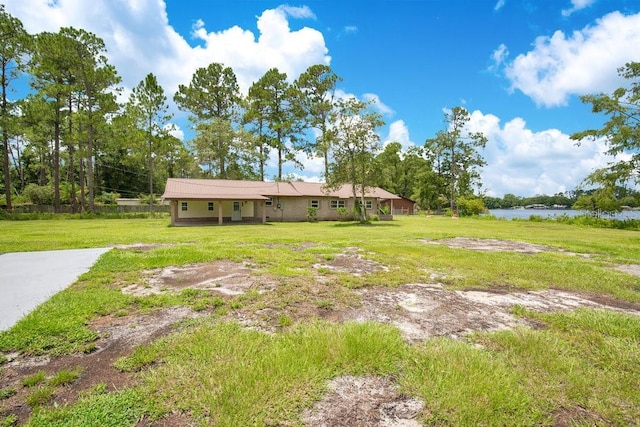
{"x":576,"y":367}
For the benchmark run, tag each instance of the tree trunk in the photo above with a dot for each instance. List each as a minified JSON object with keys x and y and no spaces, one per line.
{"x":5,"y":142}
{"x":150,"y":176}
{"x":90,"y":177}
{"x":71,"y":173}
{"x":56,"y":158}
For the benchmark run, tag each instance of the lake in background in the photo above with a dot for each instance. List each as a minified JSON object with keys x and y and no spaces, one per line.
{"x":550,"y":213}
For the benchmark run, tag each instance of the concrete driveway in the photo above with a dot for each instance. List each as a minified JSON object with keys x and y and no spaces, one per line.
{"x":28,"y":279}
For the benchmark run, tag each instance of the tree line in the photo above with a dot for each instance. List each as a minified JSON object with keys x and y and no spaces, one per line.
{"x":69,"y":141}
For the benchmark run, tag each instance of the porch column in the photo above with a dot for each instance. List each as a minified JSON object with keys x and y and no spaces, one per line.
{"x":219,"y":212}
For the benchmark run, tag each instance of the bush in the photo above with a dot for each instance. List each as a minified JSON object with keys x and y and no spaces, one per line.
{"x":39,"y":194}
{"x":344,"y":214}
{"x":312,"y":214}
{"x":470,"y":206}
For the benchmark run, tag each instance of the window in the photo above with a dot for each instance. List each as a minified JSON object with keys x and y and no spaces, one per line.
{"x":184,"y":206}
{"x":268,"y":202}
{"x":315,"y":204}
{"x":210,"y":206}
{"x":368,"y":204}
{"x":335,"y":204}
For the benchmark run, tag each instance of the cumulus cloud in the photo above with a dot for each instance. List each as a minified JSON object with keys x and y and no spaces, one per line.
{"x":523,"y":162}
{"x":140,"y":40}
{"x":583,"y":62}
{"x":377,"y":103}
{"x":577,"y":5}
{"x":399,"y":132}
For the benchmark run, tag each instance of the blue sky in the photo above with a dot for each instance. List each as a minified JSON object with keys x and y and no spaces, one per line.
{"x":519,"y":67}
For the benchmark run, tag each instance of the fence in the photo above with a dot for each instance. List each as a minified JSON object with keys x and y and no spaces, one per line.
{"x":68,"y":209}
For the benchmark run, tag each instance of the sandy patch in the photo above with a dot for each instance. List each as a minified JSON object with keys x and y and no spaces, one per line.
{"x":363,"y":402}
{"x":351,"y":261}
{"x":490,"y":245}
{"x":223,"y":276}
{"x":633,"y":269}
{"x":422,"y":311}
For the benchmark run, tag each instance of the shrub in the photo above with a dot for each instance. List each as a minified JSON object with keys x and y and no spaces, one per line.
{"x":312,"y":214}
{"x":470,"y":206}
{"x":39,"y":194}
{"x":344,"y":214}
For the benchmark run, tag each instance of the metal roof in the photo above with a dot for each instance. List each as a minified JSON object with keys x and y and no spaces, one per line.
{"x":224,"y":189}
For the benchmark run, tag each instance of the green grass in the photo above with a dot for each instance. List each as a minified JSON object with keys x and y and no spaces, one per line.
{"x":97,"y":409}
{"x":581,"y":366}
{"x":34,"y":379}
{"x":65,"y":377}
{"x":227,"y":376}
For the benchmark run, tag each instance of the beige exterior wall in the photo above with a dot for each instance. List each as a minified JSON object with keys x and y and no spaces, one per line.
{"x":282,"y":209}
{"x":295,"y":208}
{"x":197,"y":209}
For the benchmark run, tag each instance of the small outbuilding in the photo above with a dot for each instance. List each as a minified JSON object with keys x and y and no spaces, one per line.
{"x":400,"y":206}
{"x":220,"y":201}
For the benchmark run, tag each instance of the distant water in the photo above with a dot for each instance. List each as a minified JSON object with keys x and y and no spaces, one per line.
{"x":550,"y":213}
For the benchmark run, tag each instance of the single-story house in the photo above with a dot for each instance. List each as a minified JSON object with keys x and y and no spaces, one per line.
{"x":220,"y":201}
{"x":401,"y":206}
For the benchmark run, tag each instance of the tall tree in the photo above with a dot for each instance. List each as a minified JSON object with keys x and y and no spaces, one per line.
{"x":148,"y":106}
{"x":97,"y":82}
{"x":213,"y":98}
{"x":14,"y":44}
{"x":457,"y":155}
{"x":274,"y":99}
{"x":54,"y":79}
{"x":355,"y":146}
{"x":622,"y":130}
{"x":316,"y":89}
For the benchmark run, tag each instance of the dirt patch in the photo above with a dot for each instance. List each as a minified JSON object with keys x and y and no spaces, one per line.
{"x":143,"y":247}
{"x":577,"y":415}
{"x":422,"y":311}
{"x":363,"y":402}
{"x":352,"y":261}
{"x":223,"y":276}
{"x":633,"y":269}
{"x":118,"y":336}
{"x":492,"y":245}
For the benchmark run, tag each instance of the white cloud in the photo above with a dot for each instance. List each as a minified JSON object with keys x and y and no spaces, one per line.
{"x":583,"y":62}
{"x":140,"y":40}
{"x":577,"y":5}
{"x":523,"y":162}
{"x":377,"y":103}
{"x":499,"y":56}
{"x":398,"y":132}
{"x":499,"y":5}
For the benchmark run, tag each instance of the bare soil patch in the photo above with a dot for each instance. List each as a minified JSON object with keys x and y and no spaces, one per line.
{"x":364,"y":402}
{"x":118,"y":337}
{"x":493,"y":245}
{"x":352,"y":261}
{"x":223,"y":276}
{"x":422,"y":311}
{"x":633,"y":269}
{"x":143,"y":247}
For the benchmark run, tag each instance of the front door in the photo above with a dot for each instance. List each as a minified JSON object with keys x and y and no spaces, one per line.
{"x":236,"y":215}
